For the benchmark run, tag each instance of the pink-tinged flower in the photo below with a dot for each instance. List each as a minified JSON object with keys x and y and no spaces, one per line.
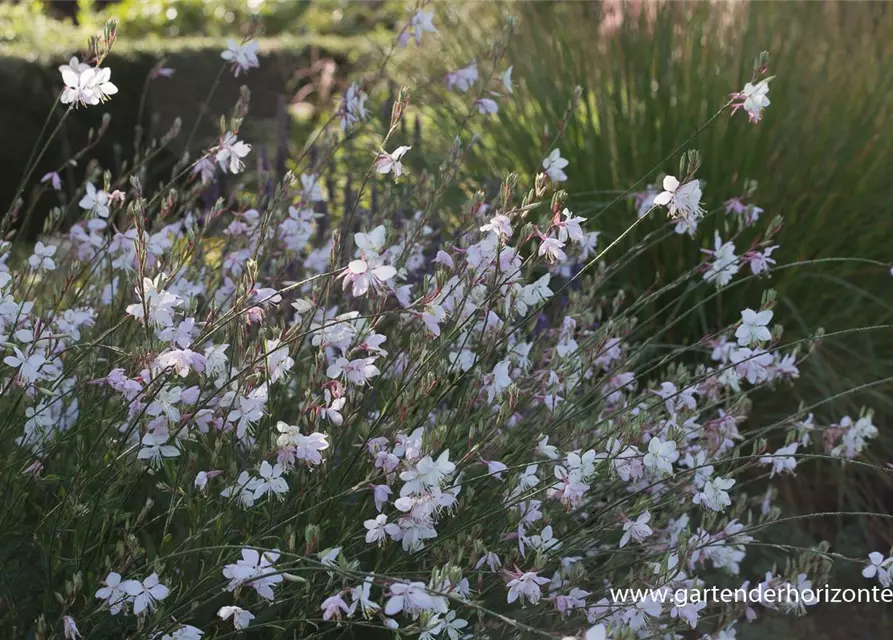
{"x":53,"y":178}
{"x":306,"y":448}
{"x":202,"y":477}
{"x":362,"y":275}
{"x":242,"y":56}
{"x":182,"y":361}
{"x":526,"y":586}
{"x":499,"y":224}
{"x":464,"y":78}
{"x":333,"y":607}
{"x":760,"y":261}
{"x":552,"y":250}
{"x":753,"y":99}
{"x":390,"y":162}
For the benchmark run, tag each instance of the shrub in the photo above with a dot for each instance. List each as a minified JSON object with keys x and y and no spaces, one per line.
{"x":396,"y":418}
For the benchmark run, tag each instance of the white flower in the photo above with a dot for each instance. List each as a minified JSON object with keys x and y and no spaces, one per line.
{"x":753,"y":98}
{"x":361,"y":597}
{"x":486,"y":106}
{"x":353,"y":107}
{"x":230,"y":152}
{"x":638,"y":530}
{"x":70,"y":628}
{"x":29,"y":366}
{"x":160,"y":303}
{"x":42,"y":259}
{"x":184,"y":632}
{"x":244,"y":489}
{"x":499,"y":224}
{"x":78,"y":78}
{"x":681,"y":201}
{"x":333,"y":607}
{"x":307,"y":448}
{"x":112,"y":593}
{"x":547,"y":450}
{"x":725,"y":262}
{"x":422,"y":22}
{"x":507,"y":80}
{"x":145,"y":594}
{"x":241,"y":617}
{"x":361,"y":275}
{"x":596,"y":633}
{"x":378,"y":529}
{"x":155,"y":447}
{"x":552,"y":249}
{"x":553,"y":165}
{"x":333,"y":411}
{"x":570,"y":227}
{"x":463,"y":79}
{"x":661,"y":455}
{"x":357,"y":371}
{"x":427,"y":474}
{"x":782,"y":460}
{"x":242,"y":56}
{"x":452,"y":626}
{"x":879,"y":567}
{"x":526,"y":586}
{"x":753,"y":328}
{"x":270,"y":481}
{"x":413,"y":598}
{"x":253,"y":570}
{"x":372,"y":242}
{"x":278,"y":361}
{"x":713,"y":496}
{"x":390,"y":162}
{"x":100,"y":84}
{"x":751,"y":364}
{"x":95,"y":201}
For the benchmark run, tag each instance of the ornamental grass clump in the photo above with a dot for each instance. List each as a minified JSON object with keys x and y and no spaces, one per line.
{"x":287,"y":414}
